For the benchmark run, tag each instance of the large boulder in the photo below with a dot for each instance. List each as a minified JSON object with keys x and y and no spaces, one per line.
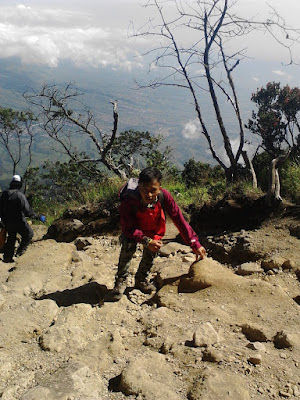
{"x":84,"y":221}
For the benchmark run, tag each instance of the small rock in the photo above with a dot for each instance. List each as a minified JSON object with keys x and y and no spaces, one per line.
{"x":255,"y":359}
{"x":75,"y":256}
{"x":249,"y":269}
{"x":211,"y":355}
{"x":296,"y":391}
{"x":288,"y":265}
{"x":205,"y":335}
{"x":257,"y":346}
{"x":82,"y":243}
{"x":254,"y":333}
{"x":37,"y":393}
{"x":172,"y":248}
{"x":284,"y":394}
{"x":167,"y":346}
{"x":283,"y":340}
{"x":188,"y":259}
{"x":273,"y":263}
{"x":2,"y":301}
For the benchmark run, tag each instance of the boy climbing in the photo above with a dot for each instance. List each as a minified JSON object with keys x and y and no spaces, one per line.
{"x":143,"y":221}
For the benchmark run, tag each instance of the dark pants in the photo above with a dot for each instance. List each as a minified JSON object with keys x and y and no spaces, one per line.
{"x":127,"y":251}
{"x":26,"y":233}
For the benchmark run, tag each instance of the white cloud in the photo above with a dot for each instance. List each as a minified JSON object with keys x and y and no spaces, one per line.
{"x":39,"y":35}
{"x":191,"y":129}
{"x":22,"y":6}
{"x":278,"y":72}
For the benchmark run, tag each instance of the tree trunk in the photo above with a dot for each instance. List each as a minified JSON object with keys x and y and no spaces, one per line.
{"x":249,"y":165}
{"x":273,"y":195}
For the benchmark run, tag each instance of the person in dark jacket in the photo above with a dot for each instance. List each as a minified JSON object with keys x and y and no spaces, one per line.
{"x":14,"y":208}
{"x":142,"y":217}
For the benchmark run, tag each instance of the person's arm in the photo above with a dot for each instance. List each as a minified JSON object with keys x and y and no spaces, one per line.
{"x":25,"y":206}
{"x":186,"y":231}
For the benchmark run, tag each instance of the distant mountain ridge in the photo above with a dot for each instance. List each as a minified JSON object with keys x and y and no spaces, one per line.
{"x":165,"y":110}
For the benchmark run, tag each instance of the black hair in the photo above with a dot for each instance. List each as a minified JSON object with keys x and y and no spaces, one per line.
{"x":15,"y":185}
{"x":149,"y":174}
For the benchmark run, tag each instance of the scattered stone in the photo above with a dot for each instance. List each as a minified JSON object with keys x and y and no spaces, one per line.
{"x":296,"y":391}
{"x":2,"y":301}
{"x":167,"y":346}
{"x":249,"y":269}
{"x":284,"y":394}
{"x":284,"y":339}
{"x":275,"y":262}
{"x":255,"y":359}
{"x":137,"y":297}
{"x":172,"y":248}
{"x":205,"y":335}
{"x":254,"y":333}
{"x":76,"y":256}
{"x":212,"y":355}
{"x":147,"y":375}
{"x":82,"y":243}
{"x":188,"y":259}
{"x":257,"y":346}
{"x":216,"y":385}
{"x":38,"y":393}
{"x":288,"y":265}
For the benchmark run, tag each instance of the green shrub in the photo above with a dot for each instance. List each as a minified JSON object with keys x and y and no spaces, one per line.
{"x":290,"y":181}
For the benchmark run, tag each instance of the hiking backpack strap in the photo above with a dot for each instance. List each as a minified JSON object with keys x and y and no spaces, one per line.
{"x":161,"y":199}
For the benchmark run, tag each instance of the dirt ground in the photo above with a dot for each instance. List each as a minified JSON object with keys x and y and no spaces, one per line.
{"x":226,"y":327}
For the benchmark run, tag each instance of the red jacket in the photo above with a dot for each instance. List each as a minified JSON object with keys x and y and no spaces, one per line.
{"x":137,"y":220}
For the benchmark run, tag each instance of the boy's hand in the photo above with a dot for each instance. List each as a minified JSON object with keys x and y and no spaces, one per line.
{"x":155,"y":245}
{"x":200,"y":253}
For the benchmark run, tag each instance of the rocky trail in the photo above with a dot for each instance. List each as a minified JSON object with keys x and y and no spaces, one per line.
{"x":226,"y":327}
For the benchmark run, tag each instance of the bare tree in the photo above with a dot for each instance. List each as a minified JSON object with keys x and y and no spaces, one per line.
{"x":16,"y":137}
{"x":211,"y":26}
{"x":62,"y":115}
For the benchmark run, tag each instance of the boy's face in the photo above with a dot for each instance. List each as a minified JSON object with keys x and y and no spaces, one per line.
{"x":149,"y":191}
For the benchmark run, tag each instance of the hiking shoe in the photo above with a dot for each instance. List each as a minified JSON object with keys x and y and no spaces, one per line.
{"x":8,"y":260}
{"x":144,"y":286}
{"x":119,"y":289}
{"x":20,"y":253}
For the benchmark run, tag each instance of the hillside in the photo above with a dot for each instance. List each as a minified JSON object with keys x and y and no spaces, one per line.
{"x":212,"y":331}
{"x":167,"y":110}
